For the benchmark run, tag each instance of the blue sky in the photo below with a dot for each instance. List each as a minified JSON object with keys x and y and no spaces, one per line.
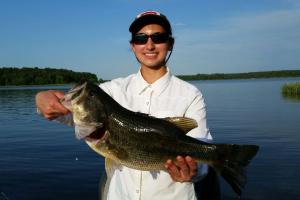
{"x":211,"y":36}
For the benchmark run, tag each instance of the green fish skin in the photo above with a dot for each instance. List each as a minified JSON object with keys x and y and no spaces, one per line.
{"x":142,"y":142}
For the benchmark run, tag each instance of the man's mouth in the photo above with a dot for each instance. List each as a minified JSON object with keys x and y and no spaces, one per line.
{"x":150,"y":55}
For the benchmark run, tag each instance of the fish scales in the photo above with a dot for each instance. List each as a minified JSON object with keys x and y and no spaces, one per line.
{"x":155,"y":147}
{"x":143,"y":142}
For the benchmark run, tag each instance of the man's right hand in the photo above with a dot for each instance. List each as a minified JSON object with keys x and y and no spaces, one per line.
{"x":48,"y":103}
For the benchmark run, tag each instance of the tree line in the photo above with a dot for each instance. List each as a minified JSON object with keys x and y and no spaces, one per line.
{"x":43,"y":76}
{"x":38,"y":76}
{"x":248,"y":75}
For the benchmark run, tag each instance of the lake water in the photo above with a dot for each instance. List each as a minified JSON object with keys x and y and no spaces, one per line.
{"x":40,"y":159}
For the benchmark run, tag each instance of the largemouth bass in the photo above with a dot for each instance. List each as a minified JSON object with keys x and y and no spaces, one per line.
{"x":142,"y":142}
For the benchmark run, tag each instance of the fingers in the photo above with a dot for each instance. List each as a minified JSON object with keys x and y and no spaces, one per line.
{"x":59,"y":108}
{"x":48,"y":104}
{"x":183,"y":170}
{"x":192,"y":166}
{"x":58,"y":94}
{"x":182,"y":165}
{"x":173,"y":170}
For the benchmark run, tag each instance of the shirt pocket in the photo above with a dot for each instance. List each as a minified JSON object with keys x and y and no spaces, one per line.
{"x":168,"y":107}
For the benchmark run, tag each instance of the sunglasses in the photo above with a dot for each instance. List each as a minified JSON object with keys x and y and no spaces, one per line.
{"x":157,"y":38}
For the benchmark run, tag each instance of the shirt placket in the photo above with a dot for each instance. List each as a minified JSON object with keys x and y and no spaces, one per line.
{"x":149,"y":100}
{"x":147,"y":93}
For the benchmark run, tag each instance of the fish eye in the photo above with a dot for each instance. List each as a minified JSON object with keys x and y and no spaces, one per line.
{"x":91,"y":93}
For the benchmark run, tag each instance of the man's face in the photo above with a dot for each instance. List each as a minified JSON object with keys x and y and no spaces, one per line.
{"x":151,"y":55}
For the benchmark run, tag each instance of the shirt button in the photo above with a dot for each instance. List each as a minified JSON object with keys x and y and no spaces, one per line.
{"x":137,"y":191}
{"x":147,"y":103}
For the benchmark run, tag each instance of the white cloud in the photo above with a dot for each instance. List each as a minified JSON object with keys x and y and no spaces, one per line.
{"x":245,"y":43}
{"x":294,"y":2}
{"x":179,"y":24}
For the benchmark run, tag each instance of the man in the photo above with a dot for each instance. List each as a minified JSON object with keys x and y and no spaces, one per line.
{"x":154,"y":91}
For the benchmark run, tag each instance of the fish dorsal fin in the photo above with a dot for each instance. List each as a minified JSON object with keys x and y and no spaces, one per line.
{"x":184,"y":123}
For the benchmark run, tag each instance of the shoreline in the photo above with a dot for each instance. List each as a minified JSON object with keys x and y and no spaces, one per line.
{"x":225,"y":79}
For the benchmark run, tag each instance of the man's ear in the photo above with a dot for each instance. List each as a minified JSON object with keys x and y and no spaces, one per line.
{"x":132,"y":47}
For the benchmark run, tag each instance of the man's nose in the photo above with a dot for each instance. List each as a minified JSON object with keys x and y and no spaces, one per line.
{"x":150,"y":44}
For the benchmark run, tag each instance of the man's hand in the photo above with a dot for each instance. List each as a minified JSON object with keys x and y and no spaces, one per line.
{"x":48,"y":104}
{"x":183,"y":170}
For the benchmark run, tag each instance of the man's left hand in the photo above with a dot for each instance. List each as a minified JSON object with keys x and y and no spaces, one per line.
{"x":183,"y":170}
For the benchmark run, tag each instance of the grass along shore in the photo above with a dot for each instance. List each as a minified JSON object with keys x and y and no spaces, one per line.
{"x":291,"y":89}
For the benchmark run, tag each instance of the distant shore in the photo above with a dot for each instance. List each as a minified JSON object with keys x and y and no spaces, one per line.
{"x":37,"y":76}
{"x":247,"y":75}
{"x":26,"y":76}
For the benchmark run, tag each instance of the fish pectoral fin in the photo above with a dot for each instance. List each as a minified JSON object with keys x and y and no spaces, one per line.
{"x":184,"y":123}
{"x":111,"y":166}
{"x":119,"y":153}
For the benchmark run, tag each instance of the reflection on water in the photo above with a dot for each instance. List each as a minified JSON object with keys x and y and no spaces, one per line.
{"x":294,"y":98}
{"x":3,"y":196}
{"x":43,"y":160}
{"x":254,"y":112}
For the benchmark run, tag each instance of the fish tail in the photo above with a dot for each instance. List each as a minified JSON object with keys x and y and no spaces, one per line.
{"x":231,"y":163}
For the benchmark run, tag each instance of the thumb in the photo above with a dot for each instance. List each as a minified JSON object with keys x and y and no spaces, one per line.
{"x":59,"y":94}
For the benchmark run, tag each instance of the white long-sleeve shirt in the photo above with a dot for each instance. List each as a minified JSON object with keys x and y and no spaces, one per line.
{"x":167,"y":97}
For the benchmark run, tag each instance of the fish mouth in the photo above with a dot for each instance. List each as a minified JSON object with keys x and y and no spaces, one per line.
{"x":87,"y":130}
{"x":96,"y":135}
{"x":73,"y":96}
{"x":83,"y":130}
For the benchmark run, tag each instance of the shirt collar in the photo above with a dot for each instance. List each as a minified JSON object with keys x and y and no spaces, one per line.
{"x":158,"y":86}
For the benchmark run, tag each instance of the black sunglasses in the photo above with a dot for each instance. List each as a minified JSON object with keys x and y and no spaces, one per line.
{"x":157,"y":38}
